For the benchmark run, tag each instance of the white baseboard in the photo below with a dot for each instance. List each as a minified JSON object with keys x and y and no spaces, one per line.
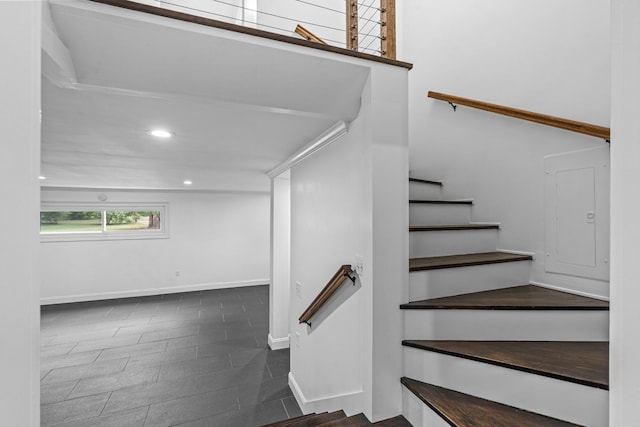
{"x":351,"y":403}
{"x":147,"y":292}
{"x":570,"y":291}
{"x":278,"y":343}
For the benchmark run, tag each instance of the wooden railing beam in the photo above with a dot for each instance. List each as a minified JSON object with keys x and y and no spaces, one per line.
{"x":566,"y":124}
{"x":308,"y":35}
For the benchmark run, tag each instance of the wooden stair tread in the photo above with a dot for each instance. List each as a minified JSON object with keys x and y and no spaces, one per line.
{"x":354,"y":421}
{"x":527,"y":297}
{"x":464,"y":260}
{"x":398,"y":421}
{"x":426,"y":181}
{"x":441,"y":202}
{"x":291,"y":421}
{"x":449,"y":227}
{"x":464,"y":410}
{"x":585,"y":363}
{"x":310,"y":420}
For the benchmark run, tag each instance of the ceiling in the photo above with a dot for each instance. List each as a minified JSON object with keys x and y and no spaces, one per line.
{"x":238,"y":106}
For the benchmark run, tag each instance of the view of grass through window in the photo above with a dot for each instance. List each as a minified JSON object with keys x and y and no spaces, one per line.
{"x":132,"y":220}
{"x":98,"y":221}
{"x":70,"y":221}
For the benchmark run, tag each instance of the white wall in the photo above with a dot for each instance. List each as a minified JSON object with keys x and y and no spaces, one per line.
{"x":349,"y":203}
{"x":216,"y":240}
{"x":544,"y":56}
{"x":19,"y":189}
{"x":330,"y":225}
{"x":280,"y":261}
{"x":625,"y":228}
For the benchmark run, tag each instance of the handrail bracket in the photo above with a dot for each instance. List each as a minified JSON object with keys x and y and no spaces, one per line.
{"x":454,"y":106}
{"x":353,"y":279}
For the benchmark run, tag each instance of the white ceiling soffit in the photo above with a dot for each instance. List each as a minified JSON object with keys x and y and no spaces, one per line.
{"x":237,"y":109}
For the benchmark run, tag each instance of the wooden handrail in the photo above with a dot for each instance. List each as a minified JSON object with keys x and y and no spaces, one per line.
{"x":570,"y":125}
{"x":343,"y":273}
{"x":308,"y":35}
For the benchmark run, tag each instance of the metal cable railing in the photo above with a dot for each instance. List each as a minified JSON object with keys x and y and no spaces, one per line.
{"x":323,"y":20}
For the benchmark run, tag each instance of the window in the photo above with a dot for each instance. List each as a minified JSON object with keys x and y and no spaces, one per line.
{"x":83,"y":222}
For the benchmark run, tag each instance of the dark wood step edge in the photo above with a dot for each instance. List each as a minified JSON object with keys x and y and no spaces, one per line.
{"x":398,"y":421}
{"x":511,"y":298}
{"x":440,"y":202}
{"x":309,"y":419}
{"x":420,"y":305}
{"x":454,"y":227}
{"x":529,"y":370}
{"x":357,"y":420}
{"x":466,"y":401}
{"x":426,"y":181}
{"x":292,"y":421}
{"x":467,"y":263}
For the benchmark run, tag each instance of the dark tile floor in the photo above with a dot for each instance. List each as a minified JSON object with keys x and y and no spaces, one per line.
{"x":190,"y":359}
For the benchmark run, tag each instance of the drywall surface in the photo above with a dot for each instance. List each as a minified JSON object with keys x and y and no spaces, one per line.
{"x":280,"y":261}
{"x":349,"y":206}
{"x":625,"y":229}
{"x":329,"y":227}
{"x":215,"y":240}
{"x":541,"y":56}
{"x":20,"y":28}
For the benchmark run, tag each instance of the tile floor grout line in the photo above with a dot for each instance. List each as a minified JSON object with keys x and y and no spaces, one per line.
{"x":285,"y":408}
{"x":146,"y":415}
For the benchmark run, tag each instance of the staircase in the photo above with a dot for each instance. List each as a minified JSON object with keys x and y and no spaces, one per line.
{"x":482,"y":347}
{"x":339,"y":419}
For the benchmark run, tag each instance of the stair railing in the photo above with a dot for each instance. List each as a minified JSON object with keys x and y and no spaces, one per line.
{"x":344,"y":272}
{"x":566,"y":124}
{"x":372,"y":26}
{"x":370,"y":22}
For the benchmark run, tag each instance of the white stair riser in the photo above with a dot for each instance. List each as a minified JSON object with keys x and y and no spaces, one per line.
{"x":424,"y":191}
{"x":451,"y":242}
{"x":510,"y":325}
{"x":429,"y":214}
{"x":419,"y":414}
{"x":587,"y":406}
{"x":453,"y":281}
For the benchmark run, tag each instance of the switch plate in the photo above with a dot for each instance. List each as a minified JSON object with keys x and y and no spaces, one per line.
{"x":299,"y":289}
{"x":359,"y":265}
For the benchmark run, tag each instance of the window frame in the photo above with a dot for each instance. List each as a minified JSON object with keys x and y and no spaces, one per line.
{"x":76,"y":236}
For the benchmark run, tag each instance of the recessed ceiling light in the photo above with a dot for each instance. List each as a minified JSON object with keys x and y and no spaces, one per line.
{"x":42,"y":178}
{"x":187,"y":182}
{"x":161,"y":133}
